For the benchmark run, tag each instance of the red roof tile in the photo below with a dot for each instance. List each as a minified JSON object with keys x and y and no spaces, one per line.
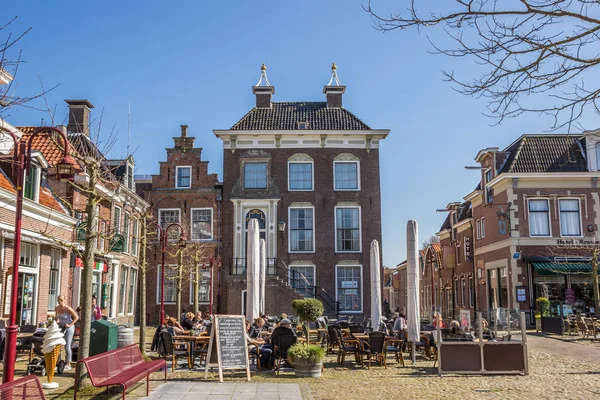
{"x":44,"y":143}
{"x":5,"y":183}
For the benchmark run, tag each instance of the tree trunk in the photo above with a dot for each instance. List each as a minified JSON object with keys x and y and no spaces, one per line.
{"x":142,"y":290}
{"x":91,"y":234}
{"x":196,"y":284}
{"x":179,"y":282}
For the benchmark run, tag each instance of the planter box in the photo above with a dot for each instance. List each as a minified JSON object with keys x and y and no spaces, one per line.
{"x":552,"y":325}
{"x":308,"y":370}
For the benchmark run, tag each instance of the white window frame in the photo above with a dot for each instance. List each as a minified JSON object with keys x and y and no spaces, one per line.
{"x":129,"y":183}
{"x":314,"y":268}
{"x":133,"y":289}
{"x":549,"y":219}
{"x":312,"y":176}
{"x":290,"y":229}
{"x":211,"y":224}
{"x":362,"y":285}
{"x":117,"y":229}
{"x":160,"y":210}
{"x":123,"y":280}
{"x":580,"y":217}
{"x":102,"y":235}
{"x":487,"y":187}
{"x":478,"y":229}
{"x":177,"y":168}
{"x":200,"y":269}
{"x":58,"y":278}
{"x":357,"y":162}
{"x":359,"y":229}
{"x":158,"y":269}
{"x":126,"y":231}
{"x":266,"y":174}
{"x":482,"y":227}
{"x":36,"y":185}
{"x":135,"y":231}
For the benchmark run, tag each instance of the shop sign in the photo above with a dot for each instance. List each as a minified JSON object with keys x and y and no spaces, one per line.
{"x":81,"y":227}
{"x":117,"y":243}
{"x":349,"y":284}
{"x":467,"y":248}
{"x":522,"y":294}
{"x":351,"y":292}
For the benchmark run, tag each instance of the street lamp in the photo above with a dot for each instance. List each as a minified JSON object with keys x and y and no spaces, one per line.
{"x":163,"y":244}
{"x":21,"y":164}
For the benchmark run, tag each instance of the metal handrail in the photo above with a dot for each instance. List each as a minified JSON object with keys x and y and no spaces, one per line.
{"x":237,"y":266}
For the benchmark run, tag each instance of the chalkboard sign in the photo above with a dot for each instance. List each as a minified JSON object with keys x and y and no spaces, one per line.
{"x":228,"y":348}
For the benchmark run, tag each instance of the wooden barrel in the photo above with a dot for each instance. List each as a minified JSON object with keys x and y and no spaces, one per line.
{"x":125,"y":337}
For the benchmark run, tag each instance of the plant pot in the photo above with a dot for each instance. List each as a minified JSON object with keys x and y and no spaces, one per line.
{"x":307,"y":370}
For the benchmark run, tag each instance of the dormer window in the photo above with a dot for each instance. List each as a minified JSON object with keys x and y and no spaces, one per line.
{"x":129,"y":178}
{"x":30,"y":190}
{"x":598,"y":157}
{"x":302,"y":125}
{"x":489,"y":192}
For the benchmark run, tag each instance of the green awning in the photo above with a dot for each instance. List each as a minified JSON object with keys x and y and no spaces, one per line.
{"x":554,"y":268}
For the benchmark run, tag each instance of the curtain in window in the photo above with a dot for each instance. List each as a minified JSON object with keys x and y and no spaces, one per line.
{"x":301,"y":229}
{"x":346,"y":175}
{"x":569,"y":217}
{"x":348,"y":229}
{"x":539,"y":224}
{"x":255,"y":175}
{"x":300,"y":176}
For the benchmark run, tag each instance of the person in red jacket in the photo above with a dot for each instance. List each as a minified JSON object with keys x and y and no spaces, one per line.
{"x":96,"y":311}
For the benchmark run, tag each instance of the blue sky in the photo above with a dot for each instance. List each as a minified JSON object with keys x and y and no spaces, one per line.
{"x":195,"y":62}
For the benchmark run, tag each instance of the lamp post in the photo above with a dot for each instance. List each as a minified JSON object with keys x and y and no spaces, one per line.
{"x":163,"y":247}
{"x":21,"y":165}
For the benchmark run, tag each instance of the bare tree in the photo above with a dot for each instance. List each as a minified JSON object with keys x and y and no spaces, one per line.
{"x":432,"y":239}
{"x":10,"y":60}
{"x":198,"y":253}
{"x":537,"y":56}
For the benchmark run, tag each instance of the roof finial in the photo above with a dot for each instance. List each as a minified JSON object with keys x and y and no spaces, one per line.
{"x":334,"y":81}
{"x":263,"y":81}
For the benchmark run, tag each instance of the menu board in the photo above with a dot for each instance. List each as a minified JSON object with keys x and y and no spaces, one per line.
{"x":228,"y":348}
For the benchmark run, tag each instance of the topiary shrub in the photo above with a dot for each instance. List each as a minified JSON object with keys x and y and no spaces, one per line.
{"x":542,"y":305}
{"x":308,"y":309}
{"x":304,"y":354}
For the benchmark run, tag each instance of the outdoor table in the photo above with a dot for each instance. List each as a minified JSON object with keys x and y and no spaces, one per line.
{"x":193,"y":340}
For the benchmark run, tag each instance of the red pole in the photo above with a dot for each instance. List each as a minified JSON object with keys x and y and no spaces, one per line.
{"x":10,"y":347}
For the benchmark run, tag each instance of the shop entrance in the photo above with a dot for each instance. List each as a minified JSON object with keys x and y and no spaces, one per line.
{"x":26,"y":299}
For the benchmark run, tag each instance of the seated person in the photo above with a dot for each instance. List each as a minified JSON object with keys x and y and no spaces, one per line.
{"x":175,"y":327}
{"x":256,"y":328}
{"x":198,"y":318}
{"x":399,"y":323}
{"x":487,"y":332}
{"x":267,"y":325}
{"x":258,"y":345}
{"x":187,"y":322}
{"x":284,"y":329}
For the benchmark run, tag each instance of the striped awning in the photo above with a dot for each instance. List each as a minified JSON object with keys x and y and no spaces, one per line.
{"x":554,"y":268}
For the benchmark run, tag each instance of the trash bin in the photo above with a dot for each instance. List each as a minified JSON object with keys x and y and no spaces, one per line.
{"x":103,"y":337}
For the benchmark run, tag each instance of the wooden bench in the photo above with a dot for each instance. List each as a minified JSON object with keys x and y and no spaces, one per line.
{"x":28,"y":387}
{"x":124,"y":367}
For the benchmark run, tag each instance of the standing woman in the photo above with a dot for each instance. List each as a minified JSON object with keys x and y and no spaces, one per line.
{"x":66,"y":317}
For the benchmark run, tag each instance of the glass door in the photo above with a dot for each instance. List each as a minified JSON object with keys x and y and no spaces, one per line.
{"x":26,"y":299}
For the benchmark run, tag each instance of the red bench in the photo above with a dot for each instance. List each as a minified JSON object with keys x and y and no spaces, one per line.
{"x":28,"y":387}
{"x":124,"y":367}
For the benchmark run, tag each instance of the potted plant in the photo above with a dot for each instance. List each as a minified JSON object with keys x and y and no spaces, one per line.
{"x":307,"y":360}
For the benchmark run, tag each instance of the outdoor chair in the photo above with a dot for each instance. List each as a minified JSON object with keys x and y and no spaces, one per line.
{"x":173,"y":348}
{"x":582,"y":327}
{"x":396,"y":345}
{"x":357,"y":328}
{"x":332,"y":339}
{"x":310,"y":335}
{"x":200,"y":351}
{"x":255,"y":355}
{"x":280,"y":350}
{"x":344,"y":324}
{"x":348,"y":346}
{"x":375,"y":348}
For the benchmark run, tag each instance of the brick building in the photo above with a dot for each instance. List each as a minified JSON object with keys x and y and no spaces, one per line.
{"x":116,"y":267}
{"x":183,"y":192}
{"x":309,"y":173}
{"x":526,"y":231}
{"x":44,"y":264}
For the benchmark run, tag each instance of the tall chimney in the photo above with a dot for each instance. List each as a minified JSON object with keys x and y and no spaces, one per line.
{"x":334,"y":90}
{"x":263,"y":90}
{"x":79,"y":116}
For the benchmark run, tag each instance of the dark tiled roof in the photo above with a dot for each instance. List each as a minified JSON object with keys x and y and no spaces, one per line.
{"x":285,"y":116}
{"x":464,"y":212}
{"x":546,"y":153}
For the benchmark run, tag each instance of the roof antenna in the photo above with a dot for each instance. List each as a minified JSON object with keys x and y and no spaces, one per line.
{"x":128,"y":125}
{"x":42,"y":122}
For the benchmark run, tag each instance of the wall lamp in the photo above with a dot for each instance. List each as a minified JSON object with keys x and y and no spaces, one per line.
{"x":281,"y":226}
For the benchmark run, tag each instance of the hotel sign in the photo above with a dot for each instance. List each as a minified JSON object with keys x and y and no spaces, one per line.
{"x":580,"y":242}
{"x":467,"y":248}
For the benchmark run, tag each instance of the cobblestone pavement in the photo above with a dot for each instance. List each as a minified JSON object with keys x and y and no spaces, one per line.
{"x":227,"y":390}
